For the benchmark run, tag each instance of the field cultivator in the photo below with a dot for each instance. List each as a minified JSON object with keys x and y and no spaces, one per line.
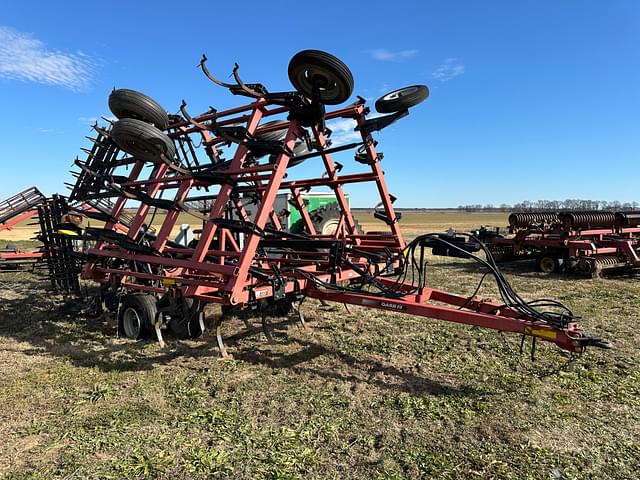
{"x":245,"y":156}
{"x":588,"y":242}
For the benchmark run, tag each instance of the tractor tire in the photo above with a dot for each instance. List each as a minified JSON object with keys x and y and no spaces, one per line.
{"x":327,"y":218}
{"x":137,"y":316}
{"x":186,"y":323}
{"x":125,"y":103}
{"x":314,"y":70}
{"x":402,"y":99}
{"x":143,"y":141}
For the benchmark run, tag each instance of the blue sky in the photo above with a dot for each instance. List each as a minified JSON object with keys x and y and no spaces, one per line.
{"x":529,"y":100}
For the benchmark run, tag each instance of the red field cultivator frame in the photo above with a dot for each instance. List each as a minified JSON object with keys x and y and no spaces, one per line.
{"x":247,"y":155}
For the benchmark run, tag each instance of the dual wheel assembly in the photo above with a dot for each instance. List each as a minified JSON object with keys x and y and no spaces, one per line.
{"x":143,"y":315}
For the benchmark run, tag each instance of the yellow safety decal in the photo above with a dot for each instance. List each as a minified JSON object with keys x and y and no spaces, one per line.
{"x":168,"y":281}
{"x":540,"y":332}
{"x":71,"y":233}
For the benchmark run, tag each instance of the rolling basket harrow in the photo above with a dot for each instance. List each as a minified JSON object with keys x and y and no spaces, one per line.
{"x":590,"y":242}
{"x":148,"y":161}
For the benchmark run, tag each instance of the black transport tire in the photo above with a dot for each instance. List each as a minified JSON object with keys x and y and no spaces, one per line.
{"x":186,"y":322}
{"x":125,"y":103}
{"x":138,"y":313}
{"x":277,"y":135}
{"x":300,"y":148}
{"x":327,"y":218}
{"x":311,"y":69}
{"x":143,"y":141}
{"x":402,"y":99}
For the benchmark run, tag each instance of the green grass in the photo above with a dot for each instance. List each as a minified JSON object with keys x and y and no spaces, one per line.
{"x":24,"y":244}
{"x":359,"y":394}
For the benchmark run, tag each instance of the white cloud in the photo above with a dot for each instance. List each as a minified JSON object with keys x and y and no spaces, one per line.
{"x":388,"y":56}
{"x":343,"y":131}
{"x":448,"y":69}
{"x":24,"y":57}
{"x":94,"y":120}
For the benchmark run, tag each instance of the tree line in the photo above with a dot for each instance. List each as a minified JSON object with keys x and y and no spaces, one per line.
{"x":552,"y":205}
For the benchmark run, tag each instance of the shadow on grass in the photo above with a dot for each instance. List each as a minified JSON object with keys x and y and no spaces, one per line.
{"x":30,"y":315}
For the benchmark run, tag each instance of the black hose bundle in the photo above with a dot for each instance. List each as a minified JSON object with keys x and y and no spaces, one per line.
{"x":559,"y":318}
{"x":560,"y":315}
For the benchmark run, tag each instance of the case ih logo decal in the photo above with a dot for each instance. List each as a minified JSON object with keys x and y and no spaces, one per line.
{"x":383,"y":304}
{"x":395,"y":306}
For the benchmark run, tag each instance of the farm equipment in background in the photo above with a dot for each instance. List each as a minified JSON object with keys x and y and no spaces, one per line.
{"x":588,"y":242}
{"x":263,"y":261}
{"x":14,"y":210}
{"x":53,"y":214}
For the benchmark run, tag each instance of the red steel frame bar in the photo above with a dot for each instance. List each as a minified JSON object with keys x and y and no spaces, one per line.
{"x":9,"y":224}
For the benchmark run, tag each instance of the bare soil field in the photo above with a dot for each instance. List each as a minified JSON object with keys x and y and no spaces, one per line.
{"x":412,"y":223}
{"x":359,"y":394}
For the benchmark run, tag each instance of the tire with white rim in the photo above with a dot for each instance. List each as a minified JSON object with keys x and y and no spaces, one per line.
{"x":402,"y":99}
{"x":138,"y":313}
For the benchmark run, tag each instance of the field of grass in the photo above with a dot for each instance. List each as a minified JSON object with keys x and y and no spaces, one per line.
{"x":359,"y":394}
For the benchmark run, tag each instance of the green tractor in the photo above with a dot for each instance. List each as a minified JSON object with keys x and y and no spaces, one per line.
{"x":322,"y":207}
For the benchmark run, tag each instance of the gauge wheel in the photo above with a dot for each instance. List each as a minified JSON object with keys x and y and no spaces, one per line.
{"x":138,"y":313}
{"x":312,"y":71}
{"x":402,"y":99}
{"x":125,"y":103}
{"x":142,"y":140}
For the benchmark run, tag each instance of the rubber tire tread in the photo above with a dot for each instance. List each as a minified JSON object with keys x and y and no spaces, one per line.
{"x":327,"y":61}
{"x":404,"y":102}
{"x":330,"y":211}
{"x":130,"y":129}
{"x":147,"y":309}
{"x":126,"y":103}
{"x":272,"y":136}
